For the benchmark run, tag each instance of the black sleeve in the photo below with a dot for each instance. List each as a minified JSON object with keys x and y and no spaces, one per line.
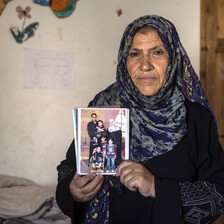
{"x":66,"y":171}
{"x":202,"y":200}
{"x":167,"y":202}
{"x":198,"y":196}
{"x":91,"y":128}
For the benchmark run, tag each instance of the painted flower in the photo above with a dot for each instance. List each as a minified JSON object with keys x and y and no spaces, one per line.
{"x":25,"y":13}
{"x":27,"y":31}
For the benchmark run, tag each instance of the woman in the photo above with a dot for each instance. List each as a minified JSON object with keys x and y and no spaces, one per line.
{"x":176,"y":169}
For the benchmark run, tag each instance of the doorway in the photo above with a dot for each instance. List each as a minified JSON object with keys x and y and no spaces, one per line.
{"x":212,"y":58}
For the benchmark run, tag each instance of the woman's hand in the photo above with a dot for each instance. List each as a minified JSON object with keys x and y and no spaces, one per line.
{"x":85,"y":188}
{"x":135,"y":177}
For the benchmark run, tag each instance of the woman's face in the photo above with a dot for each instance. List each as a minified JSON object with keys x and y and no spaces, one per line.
{"x":147,"y":62}
{"x":111,"y":122}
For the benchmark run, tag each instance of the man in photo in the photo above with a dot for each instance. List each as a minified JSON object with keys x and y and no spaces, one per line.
{"x":91,"y":128}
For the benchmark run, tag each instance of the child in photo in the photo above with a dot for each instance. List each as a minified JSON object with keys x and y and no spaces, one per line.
{"x":103,"y":145}
{"x":111,"y":155}
{"x":97,"y":159}
{"x":100,"y":130}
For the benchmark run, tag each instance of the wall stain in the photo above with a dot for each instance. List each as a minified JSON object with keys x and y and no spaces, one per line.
{"x":60,"y":33}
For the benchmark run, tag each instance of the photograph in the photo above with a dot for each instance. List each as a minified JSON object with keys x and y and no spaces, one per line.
{"x":101,"y":138}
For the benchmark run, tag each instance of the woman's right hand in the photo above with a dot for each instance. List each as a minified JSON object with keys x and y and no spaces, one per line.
{"x":85,"y":188}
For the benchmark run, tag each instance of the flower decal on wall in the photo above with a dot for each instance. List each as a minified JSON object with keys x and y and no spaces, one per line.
{"x":23,"y":13}
{"x":26,"y":32}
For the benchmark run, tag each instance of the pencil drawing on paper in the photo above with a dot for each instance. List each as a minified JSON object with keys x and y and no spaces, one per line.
{"x":49,"y":69}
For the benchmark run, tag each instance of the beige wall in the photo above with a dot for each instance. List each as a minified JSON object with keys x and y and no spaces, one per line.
{"x":36,"y":124}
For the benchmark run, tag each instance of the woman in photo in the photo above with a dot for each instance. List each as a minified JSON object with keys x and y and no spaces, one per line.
{"x":114,"y":132}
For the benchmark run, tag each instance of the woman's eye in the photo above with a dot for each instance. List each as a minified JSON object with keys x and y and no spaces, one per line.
{"x":133,"y":54}
{"x":158,"y":52}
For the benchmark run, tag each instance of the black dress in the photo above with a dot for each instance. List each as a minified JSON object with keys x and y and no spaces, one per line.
{"x":189,"y":181}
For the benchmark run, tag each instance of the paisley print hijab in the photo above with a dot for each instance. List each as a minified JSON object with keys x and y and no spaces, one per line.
{"x":158,"y":122}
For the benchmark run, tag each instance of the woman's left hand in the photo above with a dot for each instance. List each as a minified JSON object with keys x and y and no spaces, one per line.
{"x":135,"y":177}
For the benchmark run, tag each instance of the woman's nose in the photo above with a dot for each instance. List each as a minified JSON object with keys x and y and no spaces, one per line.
{"x":146,"y":63}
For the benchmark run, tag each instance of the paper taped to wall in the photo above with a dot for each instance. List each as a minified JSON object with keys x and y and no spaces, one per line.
{"x":44,"y":69}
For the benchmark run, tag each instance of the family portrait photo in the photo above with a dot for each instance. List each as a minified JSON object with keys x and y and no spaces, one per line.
{"x":102,"y":139}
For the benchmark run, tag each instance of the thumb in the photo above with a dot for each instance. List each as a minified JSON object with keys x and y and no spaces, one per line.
{"x":76,"y":176}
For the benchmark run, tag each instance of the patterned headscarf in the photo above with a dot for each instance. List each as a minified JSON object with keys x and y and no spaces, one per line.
{"x":158,"y":122}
